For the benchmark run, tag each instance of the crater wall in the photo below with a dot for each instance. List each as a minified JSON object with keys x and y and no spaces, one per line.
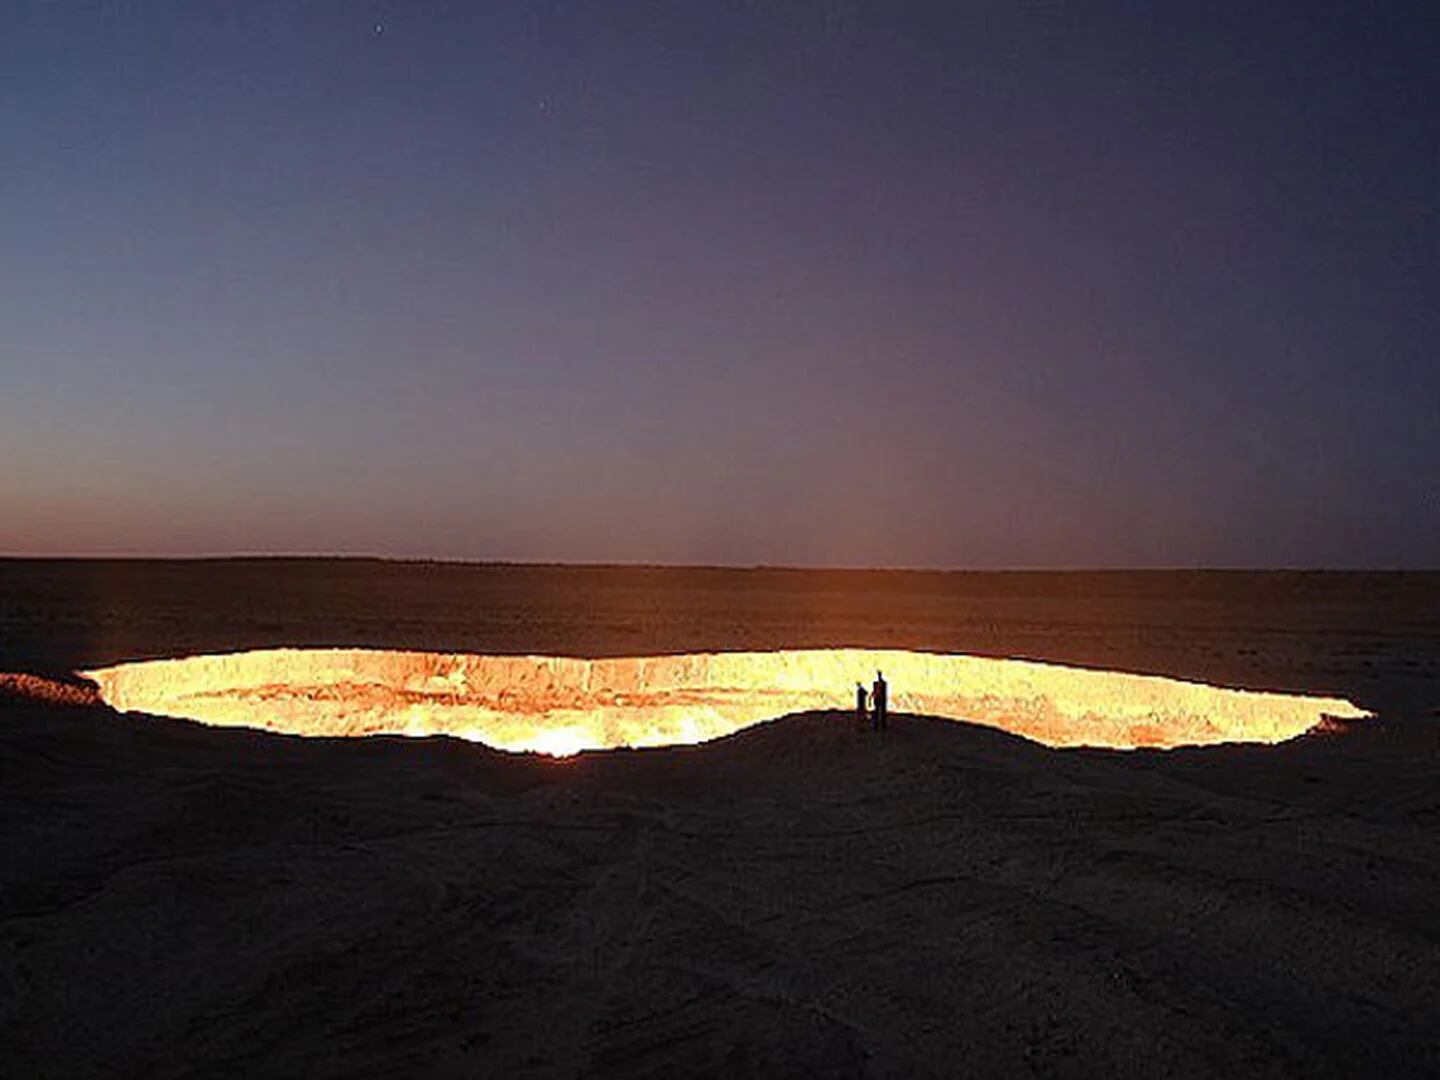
{"x":563,"y":705}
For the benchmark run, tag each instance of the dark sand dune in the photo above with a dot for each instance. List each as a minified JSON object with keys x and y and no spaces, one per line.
{"x":798,"y":899}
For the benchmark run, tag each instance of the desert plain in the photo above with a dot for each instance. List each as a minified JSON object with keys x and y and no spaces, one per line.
{"x":800,"y":898}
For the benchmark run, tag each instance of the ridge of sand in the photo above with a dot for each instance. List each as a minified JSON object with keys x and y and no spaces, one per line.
{"x":799,"y":899}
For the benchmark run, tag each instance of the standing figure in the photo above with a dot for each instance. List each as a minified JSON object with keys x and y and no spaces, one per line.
{"x":881,"y":696}
{"x":862,"y":712}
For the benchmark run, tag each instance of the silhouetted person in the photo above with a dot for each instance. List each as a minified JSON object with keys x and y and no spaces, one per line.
{"x":862,"y":711}
{"x":880,"y":694}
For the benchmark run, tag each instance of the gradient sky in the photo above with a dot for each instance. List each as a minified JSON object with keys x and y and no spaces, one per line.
{"x":944,"y":284}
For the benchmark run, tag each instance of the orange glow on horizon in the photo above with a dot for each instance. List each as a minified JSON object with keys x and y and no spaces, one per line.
{"x":561,"y":706}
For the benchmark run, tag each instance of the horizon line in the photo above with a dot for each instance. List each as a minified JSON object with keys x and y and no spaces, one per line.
{"x":610,"y":564}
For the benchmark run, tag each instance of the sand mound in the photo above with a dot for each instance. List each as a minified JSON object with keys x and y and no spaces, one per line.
{"x":51,"y":691}
{"x":562,"y":705}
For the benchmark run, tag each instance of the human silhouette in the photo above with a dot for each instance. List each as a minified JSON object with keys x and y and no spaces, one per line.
{"x":862,"y":712}
{"x":880,"y":695}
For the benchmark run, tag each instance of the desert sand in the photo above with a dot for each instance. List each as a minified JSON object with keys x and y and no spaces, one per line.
{"x":800,"y":898}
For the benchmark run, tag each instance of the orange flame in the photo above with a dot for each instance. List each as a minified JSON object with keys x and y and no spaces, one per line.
{"x":560,"y":706}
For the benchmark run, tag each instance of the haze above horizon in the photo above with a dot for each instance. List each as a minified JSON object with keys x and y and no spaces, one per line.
{"x":823,"y":284}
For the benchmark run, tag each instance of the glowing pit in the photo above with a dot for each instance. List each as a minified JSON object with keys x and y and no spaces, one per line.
{"x":559,"y":705}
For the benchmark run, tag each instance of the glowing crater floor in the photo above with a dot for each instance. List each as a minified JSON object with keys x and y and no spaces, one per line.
{"x":562,"y":705}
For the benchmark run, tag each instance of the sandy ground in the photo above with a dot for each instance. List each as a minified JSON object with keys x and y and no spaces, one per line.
{"x":800,"y":899}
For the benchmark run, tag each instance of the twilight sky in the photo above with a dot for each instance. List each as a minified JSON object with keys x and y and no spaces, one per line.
{"x":944,"y":284}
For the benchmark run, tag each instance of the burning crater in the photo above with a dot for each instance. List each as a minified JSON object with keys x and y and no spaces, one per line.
{"x":559,"y":705}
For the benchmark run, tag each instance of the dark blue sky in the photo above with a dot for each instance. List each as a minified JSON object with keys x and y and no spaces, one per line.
{"x":904,"y":284}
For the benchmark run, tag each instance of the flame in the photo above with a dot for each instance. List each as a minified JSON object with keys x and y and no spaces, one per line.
{"x":557,"y":742}
{"x":561,"y":706}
